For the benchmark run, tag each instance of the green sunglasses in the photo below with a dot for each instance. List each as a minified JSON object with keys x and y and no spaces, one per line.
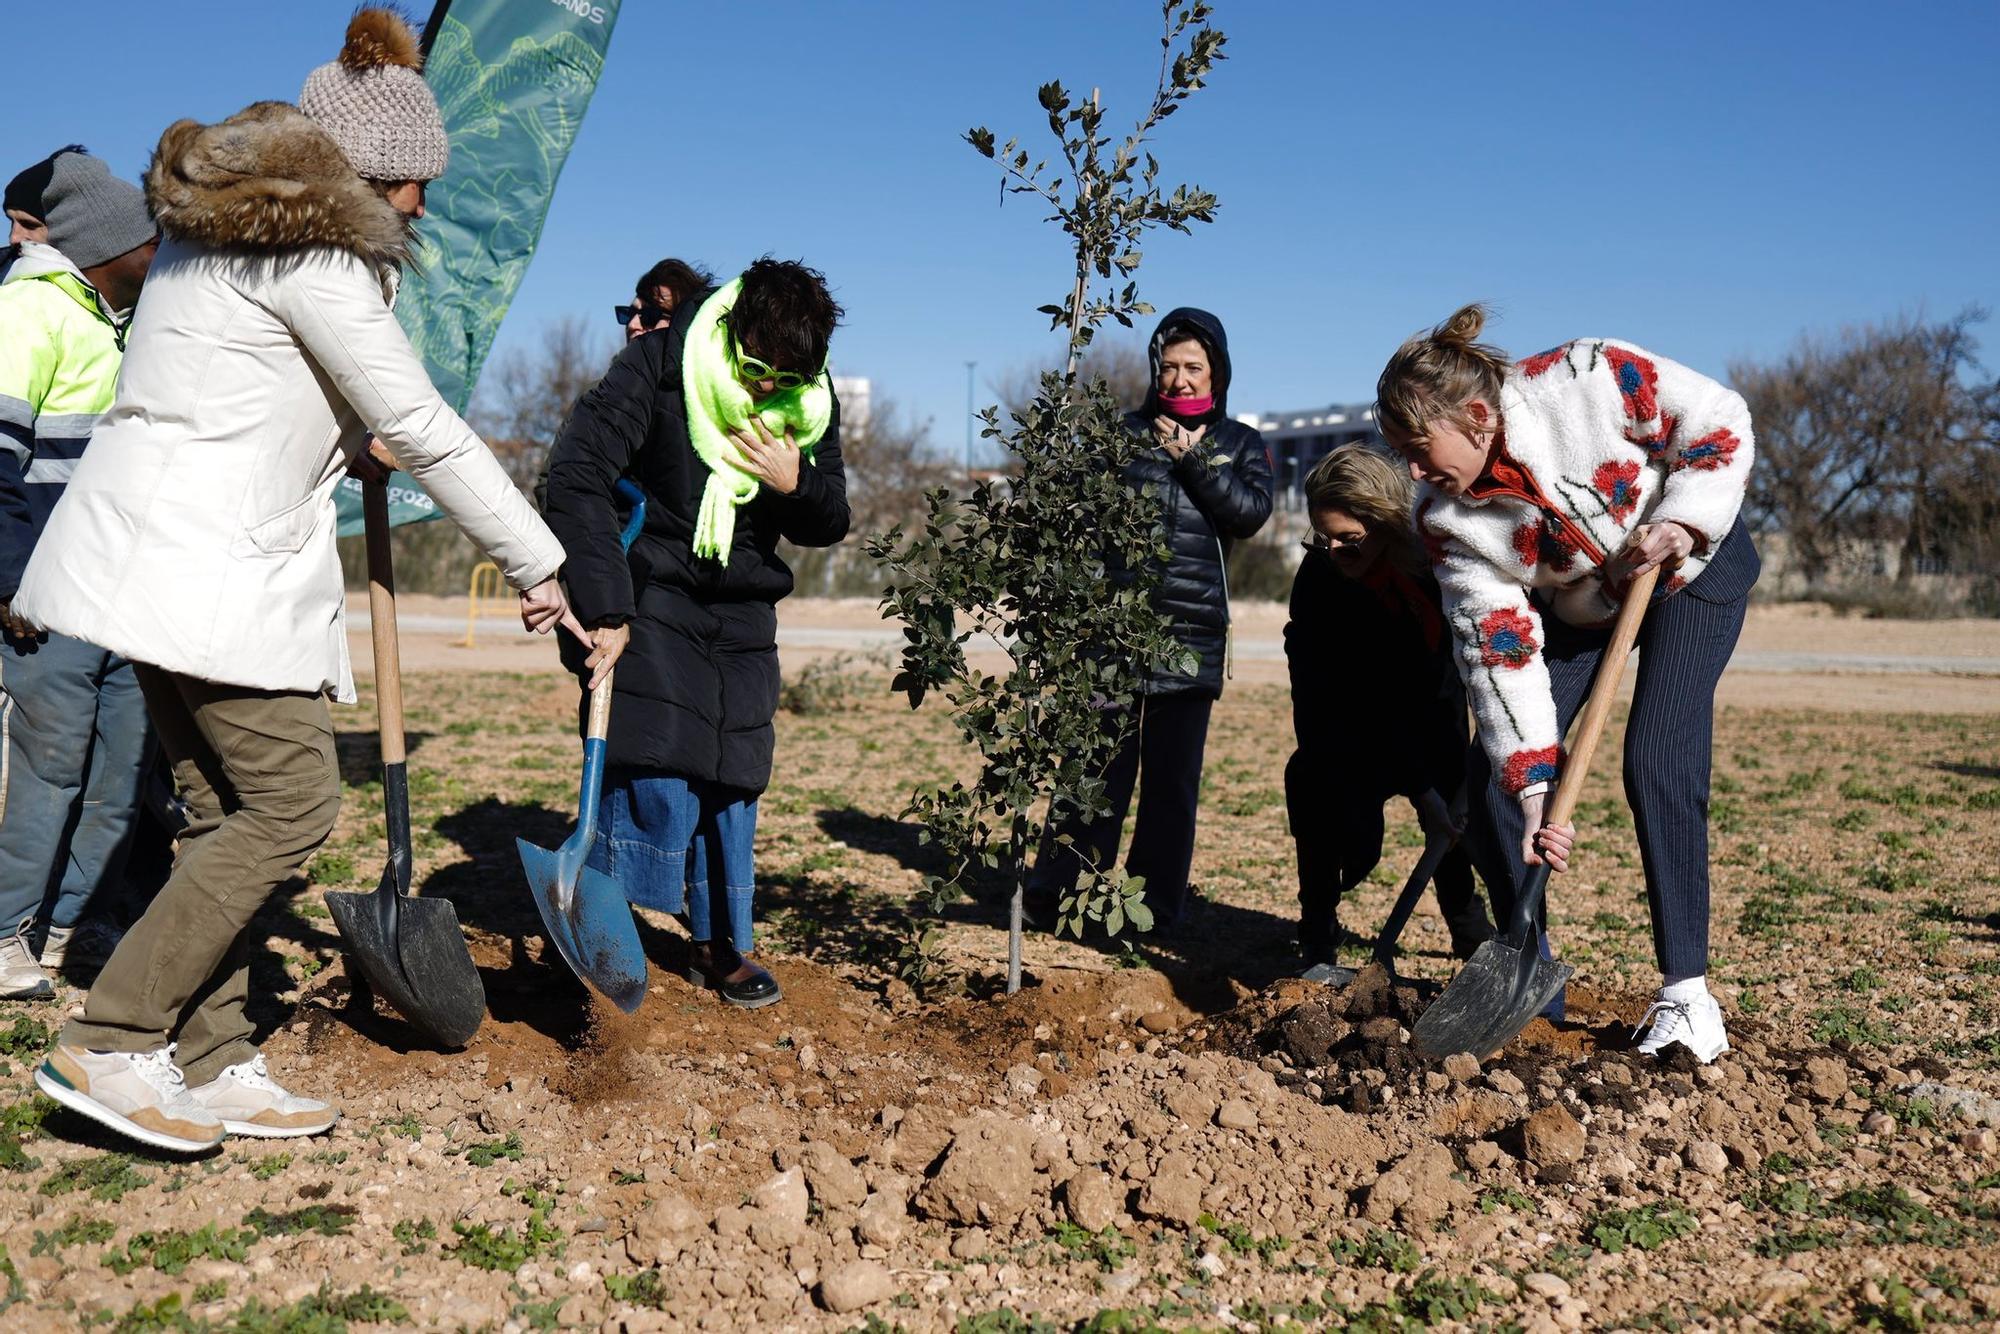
{"x":753,"y":370}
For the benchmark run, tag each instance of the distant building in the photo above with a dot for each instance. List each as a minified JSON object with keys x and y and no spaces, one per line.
{"x":1298,"y":440}
{"x":853,"y":393}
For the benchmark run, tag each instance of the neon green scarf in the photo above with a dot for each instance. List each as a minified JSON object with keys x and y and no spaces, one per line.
{"x":716,"y":402}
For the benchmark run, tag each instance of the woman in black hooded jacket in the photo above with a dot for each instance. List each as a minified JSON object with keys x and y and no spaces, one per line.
{"x":1213,"y":475}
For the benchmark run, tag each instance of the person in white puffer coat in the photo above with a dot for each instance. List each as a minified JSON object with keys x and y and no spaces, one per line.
{"x":1546,"y":487}
{"x":197,"y":539}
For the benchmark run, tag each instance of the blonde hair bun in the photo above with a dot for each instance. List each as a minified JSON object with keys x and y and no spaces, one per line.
{"x":1434,"y":375}
{"x":1464,"y":327}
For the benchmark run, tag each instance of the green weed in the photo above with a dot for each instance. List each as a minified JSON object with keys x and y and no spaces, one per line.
{"x":76,"y":1231}
{"x":491,"y":1152}
{"x":1109,"y":1248}
{"x":413,"y":1236}
{"x":26,"y":1039}
{"x":1378,"y":1250}
{"x":1645,"y":1228}
{"x":648,"y":1287}
{"x":107,"y":1177}
{"x":1844,"y":1023}
{"x":270,"y":1165}
{"x":173,"y":1251}
{"x":326,"y":1220}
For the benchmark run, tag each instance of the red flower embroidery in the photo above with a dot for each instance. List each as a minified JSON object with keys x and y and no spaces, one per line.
{"x":1676,"y":583}
{"x":1506,"y":639}
{"x":1710,"y":453}
{"x":1616,"y":482}
{"x":1639,"y":385}
{"x":1541,"y":361}
{"x":1531,"y":766}
{"x":1545,"y":541}
{"x":1528,"y":541}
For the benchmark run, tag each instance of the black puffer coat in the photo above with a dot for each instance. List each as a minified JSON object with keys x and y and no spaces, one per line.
{"x":697,"y":688}
{"x":1214,"y":494}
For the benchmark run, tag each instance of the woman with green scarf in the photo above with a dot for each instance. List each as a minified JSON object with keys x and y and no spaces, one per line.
{"x":726,"y":419}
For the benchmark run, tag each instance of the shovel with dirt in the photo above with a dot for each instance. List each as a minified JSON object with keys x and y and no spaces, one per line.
{"x":410,"y":950}
{"x":1507,"y":983}
{"x":585,"y":912}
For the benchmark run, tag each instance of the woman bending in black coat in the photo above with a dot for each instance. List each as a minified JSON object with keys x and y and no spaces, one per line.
{"x":726,"y":420}
{"x":1376,"y":700}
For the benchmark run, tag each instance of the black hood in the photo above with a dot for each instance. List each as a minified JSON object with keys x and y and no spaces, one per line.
{"x":1207,"y":330}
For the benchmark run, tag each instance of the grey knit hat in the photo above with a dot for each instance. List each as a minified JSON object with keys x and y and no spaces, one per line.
{"x":374,"y":103}
{"x":92,"y":216}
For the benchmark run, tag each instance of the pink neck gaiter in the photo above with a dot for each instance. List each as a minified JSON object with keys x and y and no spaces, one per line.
{"x":1189,"y":407}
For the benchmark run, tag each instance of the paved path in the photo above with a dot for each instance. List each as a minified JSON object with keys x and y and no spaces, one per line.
{"x":1264,"y":649}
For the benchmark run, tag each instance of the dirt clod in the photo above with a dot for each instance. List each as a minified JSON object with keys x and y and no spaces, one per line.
{"x":1552,"y":1136}
{"x":856,"y":1285}
{"x":987,"y":1175}
{"x":1173,"y":1193}
{"x":1420,"y":1190}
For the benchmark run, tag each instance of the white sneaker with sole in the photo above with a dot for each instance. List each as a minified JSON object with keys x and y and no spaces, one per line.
{"x":250,"y":1102}
{"x":21,"y":978}
{"x":137,"y":1094}
{"x":1695,"y":1023}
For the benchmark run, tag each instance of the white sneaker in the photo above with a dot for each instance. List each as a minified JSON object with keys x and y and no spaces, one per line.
{"x":88,"y":943}
{"x":1696,"y":1024}
{"x":21,"y":978}
{"x":250,"y":1102}
{"x":139,"y":1094}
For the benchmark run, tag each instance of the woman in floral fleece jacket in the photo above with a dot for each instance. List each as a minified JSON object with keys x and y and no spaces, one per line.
{"x":1546,"y":487}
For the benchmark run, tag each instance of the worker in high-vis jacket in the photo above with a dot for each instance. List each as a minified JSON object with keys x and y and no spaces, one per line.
{"x":71,"y":716}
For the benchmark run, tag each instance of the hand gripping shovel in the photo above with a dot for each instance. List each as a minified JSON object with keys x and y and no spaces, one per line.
{"x":411,"y":950}
{"x":1507,"y":983}
{"x":584,"y":910}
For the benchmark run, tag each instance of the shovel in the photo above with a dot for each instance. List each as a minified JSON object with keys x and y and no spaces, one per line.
{"x":410,"y":949}
{"x":1435,"y":849}
{"x":583,"y":909}
{"x":1507,"y":983}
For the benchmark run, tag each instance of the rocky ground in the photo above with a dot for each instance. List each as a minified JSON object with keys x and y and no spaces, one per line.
{"x":1165,"y":1135}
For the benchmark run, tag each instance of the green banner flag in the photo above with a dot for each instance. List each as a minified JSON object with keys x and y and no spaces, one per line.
{"x":513,"y":79}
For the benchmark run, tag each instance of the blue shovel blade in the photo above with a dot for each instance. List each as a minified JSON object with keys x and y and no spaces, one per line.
{"x":591,"y":925}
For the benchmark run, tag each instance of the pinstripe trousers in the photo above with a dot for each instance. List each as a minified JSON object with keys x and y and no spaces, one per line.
{"x":1684,"y":644}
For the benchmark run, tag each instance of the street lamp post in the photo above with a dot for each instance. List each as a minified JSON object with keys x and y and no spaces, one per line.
{"x":968,"y":420}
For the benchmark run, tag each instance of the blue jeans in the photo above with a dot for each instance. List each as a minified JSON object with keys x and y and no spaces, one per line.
{"x":664,"y":838}
{"x":76,"y":738}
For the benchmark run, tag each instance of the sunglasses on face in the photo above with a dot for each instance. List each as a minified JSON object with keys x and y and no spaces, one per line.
{"x":753,"y":371}
{"x":648,"y":315}
{"x":1326,"y":546}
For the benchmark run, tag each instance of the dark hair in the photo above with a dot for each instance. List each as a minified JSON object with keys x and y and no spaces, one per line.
{"x":683,"y":282}
{"x":24,"y":192}
{"x":784,"y":315}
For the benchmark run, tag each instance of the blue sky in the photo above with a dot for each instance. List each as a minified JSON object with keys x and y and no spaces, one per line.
{"x":1708,"y":180}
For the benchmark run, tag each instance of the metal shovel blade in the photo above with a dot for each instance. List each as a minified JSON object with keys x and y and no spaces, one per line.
{"x":1500,"y":989}
{"x":586,"y":915}
{"x":413,"y":954}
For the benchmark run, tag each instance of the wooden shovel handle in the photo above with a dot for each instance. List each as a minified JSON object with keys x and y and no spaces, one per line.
{"x":1603,"y":694}
{"x":382,"y":622}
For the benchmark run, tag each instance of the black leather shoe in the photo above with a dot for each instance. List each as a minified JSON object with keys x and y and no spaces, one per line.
{"x":738,"y":981}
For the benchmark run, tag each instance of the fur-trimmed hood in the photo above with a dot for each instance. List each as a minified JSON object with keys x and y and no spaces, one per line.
{"x":269,"y":180}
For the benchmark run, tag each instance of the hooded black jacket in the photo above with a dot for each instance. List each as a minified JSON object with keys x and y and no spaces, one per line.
{"x":697,"y":687}
{"x":1214,"y":494}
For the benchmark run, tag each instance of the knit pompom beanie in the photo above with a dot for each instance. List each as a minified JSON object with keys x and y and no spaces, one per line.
{"x":374,"y":102}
